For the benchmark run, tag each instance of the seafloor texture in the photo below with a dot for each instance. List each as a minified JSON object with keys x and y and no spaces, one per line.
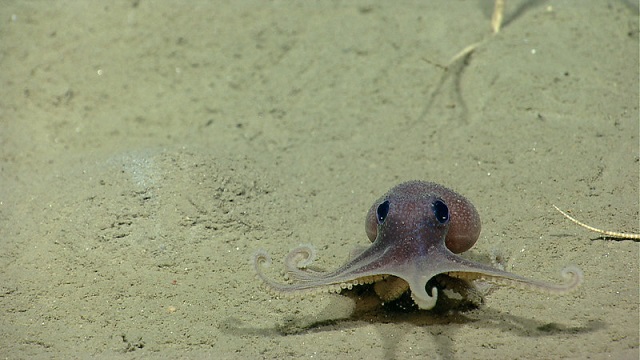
{"x":150,"y":148}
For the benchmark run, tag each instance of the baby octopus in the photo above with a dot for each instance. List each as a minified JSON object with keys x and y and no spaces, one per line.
{"x":417,"y":229}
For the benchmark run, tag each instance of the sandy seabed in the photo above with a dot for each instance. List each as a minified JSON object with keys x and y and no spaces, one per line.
{"x":149,"y":148}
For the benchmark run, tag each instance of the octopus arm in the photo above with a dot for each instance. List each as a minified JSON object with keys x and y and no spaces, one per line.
{"x":309,"y":282}
{"x":572,"y":275}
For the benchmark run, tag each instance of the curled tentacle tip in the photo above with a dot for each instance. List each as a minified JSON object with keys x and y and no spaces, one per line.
{"x":261,"y":257}
{"x":424,"y":301}
{"x":573,"y":275}
{"x":302,"y":256}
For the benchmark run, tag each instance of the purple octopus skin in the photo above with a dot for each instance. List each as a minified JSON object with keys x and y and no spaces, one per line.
{"x":417,"y":229}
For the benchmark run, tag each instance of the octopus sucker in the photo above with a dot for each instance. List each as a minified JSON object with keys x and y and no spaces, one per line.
{"x":417,"y":229}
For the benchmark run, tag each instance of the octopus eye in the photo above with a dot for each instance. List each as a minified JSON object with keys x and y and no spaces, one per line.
{"x":382,"y":211}
{"x":441,"y":211}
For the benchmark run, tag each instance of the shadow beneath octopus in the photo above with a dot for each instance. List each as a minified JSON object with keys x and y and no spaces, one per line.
{"x":444,"y":320}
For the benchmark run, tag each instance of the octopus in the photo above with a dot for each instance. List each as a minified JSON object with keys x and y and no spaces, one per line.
{"x":417,"y":229}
